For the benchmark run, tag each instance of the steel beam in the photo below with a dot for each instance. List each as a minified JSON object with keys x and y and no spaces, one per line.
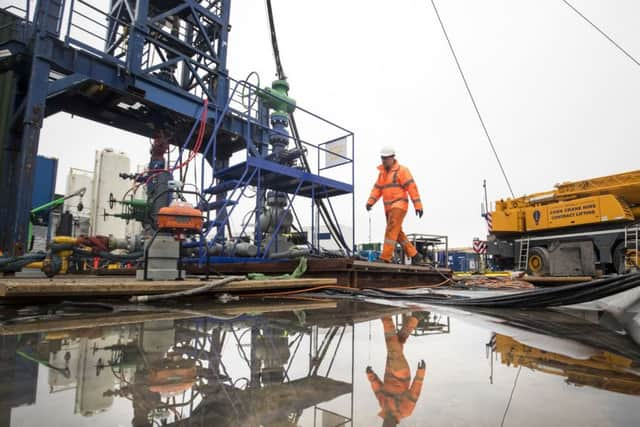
{"x":19,"y":159}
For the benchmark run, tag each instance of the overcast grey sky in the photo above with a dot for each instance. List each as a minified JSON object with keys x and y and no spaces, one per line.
{"x":560,"y":102}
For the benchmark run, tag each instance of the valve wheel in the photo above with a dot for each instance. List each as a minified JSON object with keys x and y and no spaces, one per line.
{"x":252,"y":80}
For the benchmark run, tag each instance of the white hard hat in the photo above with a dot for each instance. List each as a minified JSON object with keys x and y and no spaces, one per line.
{"x":387,"y":151}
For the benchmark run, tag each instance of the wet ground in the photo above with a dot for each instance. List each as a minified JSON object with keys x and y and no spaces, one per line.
{"x":305,"y":363}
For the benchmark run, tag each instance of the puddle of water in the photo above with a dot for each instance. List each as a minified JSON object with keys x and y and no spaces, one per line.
{"x":312,"y":363}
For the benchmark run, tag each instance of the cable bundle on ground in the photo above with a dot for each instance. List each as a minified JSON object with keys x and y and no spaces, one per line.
{"x":538,"y":298}
{"x":493,"y":283}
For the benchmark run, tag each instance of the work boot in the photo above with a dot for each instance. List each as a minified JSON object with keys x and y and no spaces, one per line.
{"x":417,"y":259}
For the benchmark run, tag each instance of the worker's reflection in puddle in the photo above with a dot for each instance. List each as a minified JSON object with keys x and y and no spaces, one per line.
{"x":397,"y":397}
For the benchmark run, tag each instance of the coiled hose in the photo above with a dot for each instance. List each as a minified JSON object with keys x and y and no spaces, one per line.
{"x":17,"y":263}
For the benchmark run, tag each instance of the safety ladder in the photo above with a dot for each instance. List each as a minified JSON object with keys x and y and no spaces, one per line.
{"x":631,"y":237}
{"x":523,"y":258}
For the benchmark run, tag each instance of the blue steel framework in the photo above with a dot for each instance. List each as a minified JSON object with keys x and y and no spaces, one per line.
{"x":144,"y":66}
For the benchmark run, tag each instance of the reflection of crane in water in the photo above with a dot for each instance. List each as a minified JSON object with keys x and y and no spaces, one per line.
{"x":603,"y":370}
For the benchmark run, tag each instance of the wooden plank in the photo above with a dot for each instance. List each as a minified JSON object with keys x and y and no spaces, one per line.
{"x":556,"y":280}
{"x":368,"y":266}
{"x":373,"y":279}
{"x":114,"y":272}
{"x":273,"y":267}
{"x":348,"y":272}
{"x":126,"y":318}
{"x":313,"y":266}
{"x":277,"y":307}
{"x":59,"y":325}
{"x":93,"y":286}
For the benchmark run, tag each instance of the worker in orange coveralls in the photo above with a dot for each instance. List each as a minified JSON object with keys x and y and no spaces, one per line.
{"x":396,"y":398}
{"x":395,"y":184}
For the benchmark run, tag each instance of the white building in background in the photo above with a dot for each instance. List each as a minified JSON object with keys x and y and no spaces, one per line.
{"x":106,"y":180}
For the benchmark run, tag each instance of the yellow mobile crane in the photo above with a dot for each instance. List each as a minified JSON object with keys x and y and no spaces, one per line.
{"x":603,"y":370}
{"x":579,"y":228}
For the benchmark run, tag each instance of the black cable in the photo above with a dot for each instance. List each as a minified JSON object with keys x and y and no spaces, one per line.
{"x":473,"y":101}
{"x":324,"y":213}
{"x":515,"y":382}
{"x":274,"y":42}
{"x":334,"y":230}
{"x":538,"y":298}
{"x":613,"y":42}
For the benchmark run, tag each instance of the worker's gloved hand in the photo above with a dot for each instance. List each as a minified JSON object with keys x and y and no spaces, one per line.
{"x":421,"y":364}
{"x":369,"y":370}
{"x":419,"y":213}
{"x":369,"y":206}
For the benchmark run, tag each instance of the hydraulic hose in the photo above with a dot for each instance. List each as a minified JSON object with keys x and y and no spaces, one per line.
{"x":13,"y":264}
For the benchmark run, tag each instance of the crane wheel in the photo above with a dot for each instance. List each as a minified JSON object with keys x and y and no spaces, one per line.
{"x":535,"y":263}
{"x":620,"y":259}
{"x":538,"y":262}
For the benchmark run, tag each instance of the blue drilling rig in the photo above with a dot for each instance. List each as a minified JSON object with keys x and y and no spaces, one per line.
{"x":157,"y":68}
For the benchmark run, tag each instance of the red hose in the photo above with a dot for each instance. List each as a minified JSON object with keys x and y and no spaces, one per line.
{"x":196,"y":147}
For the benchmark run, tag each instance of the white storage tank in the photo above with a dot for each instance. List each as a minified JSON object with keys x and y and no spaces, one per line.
{"x":106,"y":180}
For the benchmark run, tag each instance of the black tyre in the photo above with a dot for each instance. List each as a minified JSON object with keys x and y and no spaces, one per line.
{"x":619,"y":258}
{"x":538,"y":262}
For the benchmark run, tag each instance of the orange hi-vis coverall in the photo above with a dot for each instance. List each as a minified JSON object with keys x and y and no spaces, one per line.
{"x":395,"y":186}
{"x":396,"y":398}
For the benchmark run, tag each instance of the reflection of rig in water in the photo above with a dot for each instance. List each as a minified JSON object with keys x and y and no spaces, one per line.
{"x":603,"y":370}
{"x":429,"y":323}
{"x":222,"y":369}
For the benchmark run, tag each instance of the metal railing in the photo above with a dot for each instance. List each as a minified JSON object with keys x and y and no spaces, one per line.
{"x":243,"y":103}
{"x":20,"y":8}
{"x":22,"y":11}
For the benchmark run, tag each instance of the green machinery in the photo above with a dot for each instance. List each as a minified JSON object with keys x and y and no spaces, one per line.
{"x":132,"y":209}
{"x":52,"y":205}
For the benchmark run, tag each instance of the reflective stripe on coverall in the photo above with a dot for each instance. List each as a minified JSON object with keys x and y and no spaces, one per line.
{"x":395,"y":396}
{"x":395,"y":186}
